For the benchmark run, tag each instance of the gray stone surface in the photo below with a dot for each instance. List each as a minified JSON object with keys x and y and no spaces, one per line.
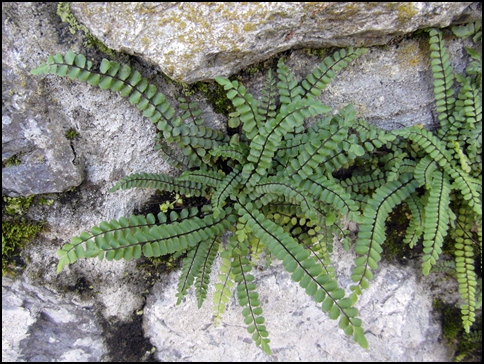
{"x":198,"y":41}
{"x":39,"y":326}
{"x":47,"y":160}
{"x":113,"y":137}
{"x":396,"y":314}
{"x":389,"y":86}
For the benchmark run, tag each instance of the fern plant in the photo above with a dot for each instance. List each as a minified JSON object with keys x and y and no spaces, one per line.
{"x":284,"y":183}
{"x":448,"y":165}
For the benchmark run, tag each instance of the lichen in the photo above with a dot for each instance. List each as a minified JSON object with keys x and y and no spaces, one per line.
{"x":405,"y":12}
{"x":249,"y":27}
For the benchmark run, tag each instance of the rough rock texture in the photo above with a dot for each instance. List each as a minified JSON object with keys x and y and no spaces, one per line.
{"x":37,"y":326}
{"x":389,"y":86}
{"x":37,"y":112}
{"x":396,"y":312}
{"x":47,"y":160}
{"x":225,"y":37}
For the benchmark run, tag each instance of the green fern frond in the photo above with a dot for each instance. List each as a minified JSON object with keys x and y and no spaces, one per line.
{"x":370,"y":136}
{"x":191,"y":266}
{"x":236,"y":152}
{"x":305,"y":270}
{"x":264,"y":145}
{"x":192,"y":112}
{"x":267,"y":105}
{"x":224,"y":189}
{"x":436,"y":220}
{"x":118,"y":78}
{"x":444,"y":266}
{"x":415,"y":226}
{"x":223,"y":290}
{"x":436,"y":150}
{"x":206,"y":178}
{"x":371,"y":235}
{"x":170,"y":155}
{"x":288,"y":87}
{"x":249,"y":299}
{"x":322,"y":75}
{"x":464,"y":261}
{"x":327,"y":191}
{"x":245,"y":104}
{"x":424,"y":171}
{"x":443,"y":81}
{"x":289,"y":191}
{"x":203,"y":278}
{"x":154,"y":241}
{"x":363,"y":184}
{"x":161,"y":182}
{"x":318,"y":150}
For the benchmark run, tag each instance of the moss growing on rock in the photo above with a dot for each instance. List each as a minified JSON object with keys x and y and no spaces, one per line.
{"x":17,"y":231}
{"x":466,"y":347}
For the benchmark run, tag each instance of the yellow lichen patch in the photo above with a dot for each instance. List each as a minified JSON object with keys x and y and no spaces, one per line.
{"x":410,"y":54}
{"x":405,"y":12}
{"x":249,"y":27}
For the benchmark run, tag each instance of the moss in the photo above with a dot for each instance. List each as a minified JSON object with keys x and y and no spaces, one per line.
{"x":466,"y":346}
{"x":255,"y":68}
{"x":17,"y":231}
{"x":12,"y":161}
{"x":217,"y":97}
{"x":213,"y":92}
{"x":64,"y":12}
{"x":16,"y":205}
{"x":71,"y":134}
{"x":320,"y":52}
{"x":16,"y":234}
{"x":395,"y":250}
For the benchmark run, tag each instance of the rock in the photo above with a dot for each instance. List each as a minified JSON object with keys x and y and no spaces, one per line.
{"x":35,"y":137}
{"x":396,"y":314}
{"x":41,"y":319}
{"x":46,"y":158}
{"x":198,"y":41}
{"x":37,"y":325}
{"x":38,"y":111}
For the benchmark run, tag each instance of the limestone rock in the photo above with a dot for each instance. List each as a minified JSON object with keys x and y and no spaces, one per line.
{"x":396,"y":314}
{"x":46,"y":162}
{"x":39,"y":326}
{"x":198,"y":41}
{"x":115,"y":140}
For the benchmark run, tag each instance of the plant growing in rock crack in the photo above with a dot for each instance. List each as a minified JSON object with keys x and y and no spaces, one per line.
{"x":286,"y":180}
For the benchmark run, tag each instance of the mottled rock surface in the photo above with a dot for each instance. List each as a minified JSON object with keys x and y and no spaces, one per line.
{"x":38,"y":326}
{"x":45,"y":314}
{"x":396,"y":312}
{"x":198,"y":41}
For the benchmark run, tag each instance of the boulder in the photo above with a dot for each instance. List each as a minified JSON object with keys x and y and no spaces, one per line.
{"x":197,"y":41}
